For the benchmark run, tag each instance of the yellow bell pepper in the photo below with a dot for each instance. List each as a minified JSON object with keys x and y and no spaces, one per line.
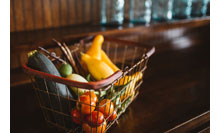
{"x":96,"y":52}
{"x":106,"y":59}
{"x":98,"y":69}
{"x":95,"y":49}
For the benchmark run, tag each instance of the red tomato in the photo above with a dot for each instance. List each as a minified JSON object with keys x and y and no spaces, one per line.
{"x":93,"y":95}
{"x":76,"y":116}
{"x":84,"y":105}
{"x":106,"y":107}
{"x":113,"y":116}
{"x":95,"y":119}
{"x":100,"y":129}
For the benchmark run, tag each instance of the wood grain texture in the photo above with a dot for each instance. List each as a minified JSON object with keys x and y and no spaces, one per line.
{"x":97,"y":6}
{"x":64,"y":13}
{"x":93,"y":10}
{"x":79,"y":11}
{"x":86,"y":13}
{"x":19,"y":15}
{"x":12,"y":20}
{"x":28,"y":14}
{"x":72,"y":13}
{"x":38,"y":14}
{"x":55,"y":11}
{"x":46,"y":13}
{"x":196,"y":124}
{"x":68,"y":12}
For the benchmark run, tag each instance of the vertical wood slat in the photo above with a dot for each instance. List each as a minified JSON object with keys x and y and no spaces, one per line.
{"x":12,"y":21}
{"x":72,"y":16}
{"x":83,"y":8}
{"x":76,"y":12}
{"x":46,"y":13}
{"x":28,"y":14}
{"x":68,"y":12}
{"x":86,"y":15}
{"x":94,"y":10}
{"x":98,"y":10}
{"x":19,"y":16}
{"x":64,"y":12}
{"x":90,"y":10}
{"x":39,"y":14}
{"x":79,"y":11}
{"x":55,"y":11}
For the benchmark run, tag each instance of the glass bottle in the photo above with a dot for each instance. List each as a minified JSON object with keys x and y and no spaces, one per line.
{"x":182,"y":9}
{"x":140,"y":11}
{"x":199,"y":8}
{"x":162,"y":10}
{"x":112,"y":12}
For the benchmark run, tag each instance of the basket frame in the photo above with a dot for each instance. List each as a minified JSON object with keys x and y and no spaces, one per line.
{"x":101,"y":85}
{"x":90,"y":85}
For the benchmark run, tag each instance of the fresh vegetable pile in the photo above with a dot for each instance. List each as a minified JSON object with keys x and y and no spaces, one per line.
{"x":91,"y":116}
{"x":93,"y":109}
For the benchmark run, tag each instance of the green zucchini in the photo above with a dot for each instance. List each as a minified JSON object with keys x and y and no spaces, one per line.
{"x":39,"y":61}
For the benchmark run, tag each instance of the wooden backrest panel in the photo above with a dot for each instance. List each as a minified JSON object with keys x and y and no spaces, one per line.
{"x":40,"y":14}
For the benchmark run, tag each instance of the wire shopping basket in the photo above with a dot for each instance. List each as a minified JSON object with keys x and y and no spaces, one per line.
{"x":118,"y":90}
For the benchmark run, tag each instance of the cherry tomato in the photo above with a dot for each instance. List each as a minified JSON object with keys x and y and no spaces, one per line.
{"x":85,"y":105}
{"x":106,"y":107}
{"x":100,"y":129}
{"x":113,"y":116}
{"x":93,"y":95}
{"x":76,"y":116}
{"x":95,"y":119}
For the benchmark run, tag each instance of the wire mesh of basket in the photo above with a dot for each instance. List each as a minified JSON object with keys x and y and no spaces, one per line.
{"x":118,"y":90}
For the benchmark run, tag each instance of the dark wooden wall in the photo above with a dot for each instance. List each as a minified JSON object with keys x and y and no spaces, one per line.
{"x":40,"y":14}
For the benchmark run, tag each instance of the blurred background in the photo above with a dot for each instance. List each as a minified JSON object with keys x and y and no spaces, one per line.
{"x":28,"y":15}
